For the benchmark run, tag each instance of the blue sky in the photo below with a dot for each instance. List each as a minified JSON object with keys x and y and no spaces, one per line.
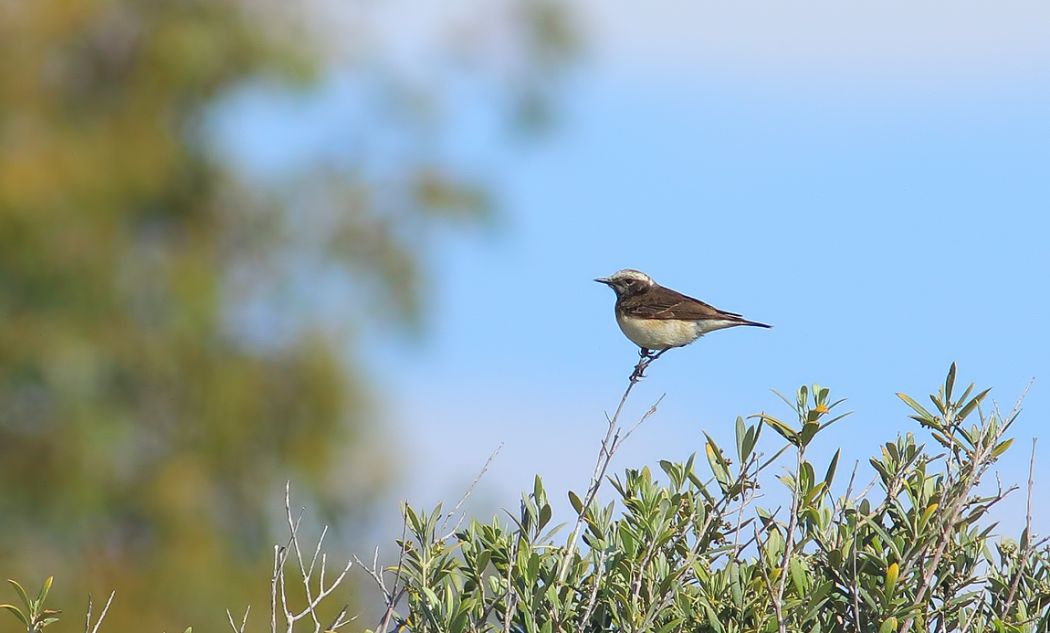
{"x":874,"y":181}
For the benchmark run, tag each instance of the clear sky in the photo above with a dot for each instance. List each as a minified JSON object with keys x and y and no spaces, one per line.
{"x":873,"y":179}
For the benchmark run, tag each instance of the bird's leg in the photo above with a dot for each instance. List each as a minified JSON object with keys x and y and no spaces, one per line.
{"x":643,"y":362}
{"x":646,"y":356}
{"x":653,"y":356}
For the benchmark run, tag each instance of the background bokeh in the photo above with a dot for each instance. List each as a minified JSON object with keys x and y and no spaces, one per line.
{"x":352,"y":245}
{"x":179,"y":337}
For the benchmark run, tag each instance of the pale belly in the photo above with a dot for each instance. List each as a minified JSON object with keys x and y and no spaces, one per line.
{"x":659,"y":333}
{"x":665,"y":333}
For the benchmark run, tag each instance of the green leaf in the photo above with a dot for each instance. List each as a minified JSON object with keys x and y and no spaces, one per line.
{"x":889,"y":625}
{"x":949,"y":382}
{"x":751,"y":439}
{"x":533,"y":568}
{"x":783,"y":429}
{"x":741,"y":435}
{"x":835,"y":558}
{"x":926,"y":514}
{"x":432,"y":599}
{"x":809,"y":430}
{"x":719,"y":468}
{"x":672,"y":625}
{"x":415,"y":525}
{"x":970,"y":406}
{"x":44,"y":588}
{"x":575,"y":502}
{"x":916,"y":406}
{"x":798,"y":576}
{"x":1002,"y":447}
{"x":817,"y":596}
{"x":17,"y":613}
{"x":22,"y":595}
{"x":545,"y":517}
{"x":712,"y":618}
{"x":829,"y":474}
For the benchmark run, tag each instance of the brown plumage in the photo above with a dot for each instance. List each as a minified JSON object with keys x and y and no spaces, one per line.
{"x":657,"y":302}
{"x":658,"y":318}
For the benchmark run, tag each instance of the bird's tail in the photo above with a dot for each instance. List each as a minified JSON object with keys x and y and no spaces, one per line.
{"x":754,"y":323}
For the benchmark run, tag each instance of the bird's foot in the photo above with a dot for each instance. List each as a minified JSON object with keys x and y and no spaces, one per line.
{"x":639,"y":370}
{"x":646,"y":356}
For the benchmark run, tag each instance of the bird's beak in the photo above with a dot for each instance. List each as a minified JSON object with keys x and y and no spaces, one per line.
{"x":602,"y":280}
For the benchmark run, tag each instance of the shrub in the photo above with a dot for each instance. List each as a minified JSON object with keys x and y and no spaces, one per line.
{"x":693,"y":551}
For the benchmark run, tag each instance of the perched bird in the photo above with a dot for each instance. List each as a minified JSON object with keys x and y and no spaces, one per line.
{"x":657,"y":319}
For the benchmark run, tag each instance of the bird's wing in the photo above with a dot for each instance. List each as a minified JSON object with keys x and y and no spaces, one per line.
{"x":665,"y":303}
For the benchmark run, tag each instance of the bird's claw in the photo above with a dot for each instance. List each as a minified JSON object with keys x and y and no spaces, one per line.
{"x":646,"y":356}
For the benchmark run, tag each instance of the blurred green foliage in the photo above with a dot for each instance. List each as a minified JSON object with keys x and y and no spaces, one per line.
{"x":142,"y":435}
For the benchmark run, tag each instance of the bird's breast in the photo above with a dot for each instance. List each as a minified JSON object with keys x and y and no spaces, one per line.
{"x":658,"y":333}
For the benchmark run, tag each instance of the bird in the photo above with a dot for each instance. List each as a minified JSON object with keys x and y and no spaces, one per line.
{"x":657,"y":319}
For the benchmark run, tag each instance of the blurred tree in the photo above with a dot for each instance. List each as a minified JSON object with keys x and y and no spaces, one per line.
{"x":144,"y":432}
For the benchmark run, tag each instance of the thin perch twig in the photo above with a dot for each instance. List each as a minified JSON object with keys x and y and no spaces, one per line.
{"x":608,"y":448}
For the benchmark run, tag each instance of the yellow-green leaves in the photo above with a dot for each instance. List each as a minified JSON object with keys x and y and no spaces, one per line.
{"x":717,"y":461}
{"x":924,"y":519}
{"x":889,"y":625}
{"x":811,"y":414}
{"x":32,"y":614}
{"x":890,"y":579}
{"x":783,"y":429}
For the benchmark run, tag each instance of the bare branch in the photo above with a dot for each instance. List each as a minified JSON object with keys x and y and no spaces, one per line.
{"x":468,"y":493}
{"x":244,"y":621}
{"x":88,"y":628}
{"x":608,"y":448}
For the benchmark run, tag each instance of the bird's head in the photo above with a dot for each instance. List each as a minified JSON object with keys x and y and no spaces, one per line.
{"x":627,"y":282}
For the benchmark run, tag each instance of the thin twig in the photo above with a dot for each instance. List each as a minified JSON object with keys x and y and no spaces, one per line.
{"x":789,"y":538}
{"x":467,"y":494}
{"x":102,"y":616}
{"x":1022,"y":557}
{"x":592,"y":601}
{"x":608,"y":448}
{"x":244,"y":621}
{"x":510,"y":597}
{"x":279,"y":581}
{"x":278,"y":562}
{"x":390,"y":596}
{"x":765,"y":581}
{"x":298,"y":552}
{"x":645,"y":416}
{"x":855,"y":584}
